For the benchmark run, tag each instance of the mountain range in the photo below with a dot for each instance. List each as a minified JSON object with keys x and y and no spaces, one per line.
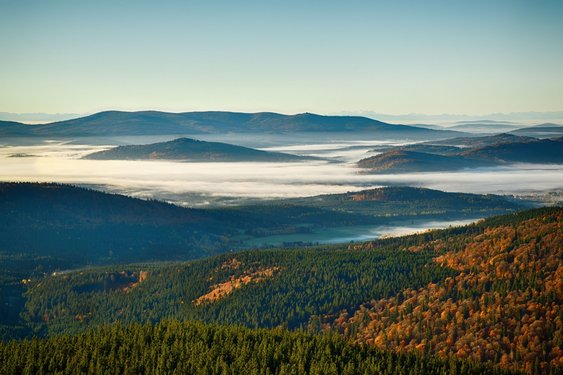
{"x":112,"y":123}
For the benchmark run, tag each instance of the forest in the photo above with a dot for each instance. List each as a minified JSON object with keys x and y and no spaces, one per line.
{"x":503,"y":305}
{"x":171,"y":347}
{"x":489,"y":292}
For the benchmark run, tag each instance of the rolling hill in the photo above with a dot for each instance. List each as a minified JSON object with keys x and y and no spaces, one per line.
{"x":398,"y":161}
{"x":410,"y":202}
{"x":77,"y":226}
{"x":539,"y":151}
{"x":547,"y":130}
{"x":484,"y":126}
{"x":453,"y":146}
{"x":188,"y":149}
{"x":460,"y":153}
{"x":488,"y":140}
{"x":112,"y":123}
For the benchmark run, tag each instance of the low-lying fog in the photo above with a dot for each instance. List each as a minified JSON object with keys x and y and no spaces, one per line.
{"x":197,"y":184}
{"x":212,"y":184}
{"x":357,"y":233}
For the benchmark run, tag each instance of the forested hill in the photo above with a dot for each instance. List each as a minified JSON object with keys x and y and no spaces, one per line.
{"x":489,"y":292}
{"x":111,"y":123}
{"x":192,"y":150}
{"x":81,"y":226}
{"x":541,"y":151}
{"x":547,"y":130}
{"x":399,"y":161}
{"x":460,"y":153}
{"x":84,"y":226}
{"x":405,"y":201}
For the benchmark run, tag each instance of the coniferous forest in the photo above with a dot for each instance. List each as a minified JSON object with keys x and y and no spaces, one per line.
{"x":172,"y":347}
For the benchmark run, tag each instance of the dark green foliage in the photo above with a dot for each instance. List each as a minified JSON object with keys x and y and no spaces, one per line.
{"x":310,"y":282}
{"x":307,"y":282}
{"x":15,"y":271}
{"x":195,"y":348}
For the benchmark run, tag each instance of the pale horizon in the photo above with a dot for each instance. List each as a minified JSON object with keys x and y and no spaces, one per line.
{"x":524,"y":117}
{"x":288,"y":57}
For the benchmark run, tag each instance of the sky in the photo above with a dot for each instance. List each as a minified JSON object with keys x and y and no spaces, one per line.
{"x":396,"y":57}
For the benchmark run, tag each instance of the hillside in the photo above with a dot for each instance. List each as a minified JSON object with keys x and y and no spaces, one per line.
{"x":453,"y":146}
{"x":82,"y":226}
{"x":398,"y":161}
{"x":503,"y":306}
{"x":488,"y":292}
{"x":540,"y":151}
{"x":14,"y":129}
{"x":465,"y":152}
{"x":410,"y":203}
{"x":51,"y":227}
{"x":191,"y":150}
{"x":112,"y":123}
{"x":488,"y":140}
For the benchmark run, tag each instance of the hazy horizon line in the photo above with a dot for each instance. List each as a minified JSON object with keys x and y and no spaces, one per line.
{"x":526,"y":116}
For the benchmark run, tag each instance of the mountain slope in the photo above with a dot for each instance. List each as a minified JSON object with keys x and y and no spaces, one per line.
{"x":488,"y":292}
{"x":503,"y":306}
{"x":191,"y":150}
{"x":113,"y":123}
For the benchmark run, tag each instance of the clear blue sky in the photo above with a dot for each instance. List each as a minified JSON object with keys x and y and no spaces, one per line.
{"x":471,"y":57}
